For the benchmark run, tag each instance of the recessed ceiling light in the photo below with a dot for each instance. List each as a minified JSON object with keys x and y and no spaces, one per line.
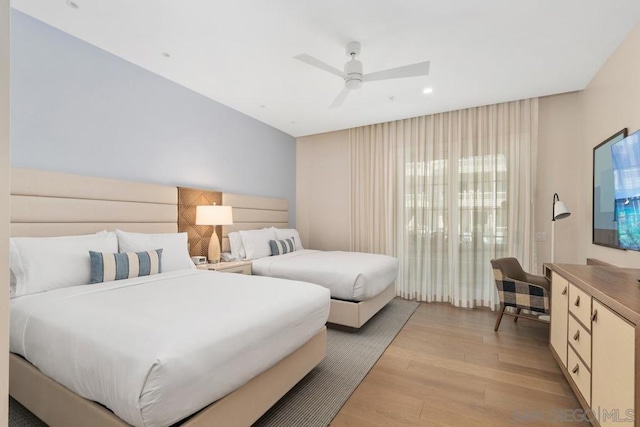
{"x":427,"y":90}
{"x":72,"y":4}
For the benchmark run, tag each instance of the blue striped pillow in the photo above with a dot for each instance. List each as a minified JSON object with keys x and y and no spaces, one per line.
{"x":281,"y":247}
{"x":106,"y":267}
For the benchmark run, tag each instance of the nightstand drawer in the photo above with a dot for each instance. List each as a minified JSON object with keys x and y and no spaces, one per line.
{"x":241,"y":269}
{"x":580,"y":340}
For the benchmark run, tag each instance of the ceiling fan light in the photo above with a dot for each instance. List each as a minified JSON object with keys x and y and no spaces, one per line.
{"x":352,"y":84}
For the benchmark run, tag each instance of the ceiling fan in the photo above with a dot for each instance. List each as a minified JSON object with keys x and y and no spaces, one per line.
{"x":353,"y":75}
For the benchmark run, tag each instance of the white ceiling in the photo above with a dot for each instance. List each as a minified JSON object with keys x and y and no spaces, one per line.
{"x":239,"y":53}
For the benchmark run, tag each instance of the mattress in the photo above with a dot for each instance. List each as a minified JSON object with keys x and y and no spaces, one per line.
{"x":156,"y":349}
{"x":350,"y":276}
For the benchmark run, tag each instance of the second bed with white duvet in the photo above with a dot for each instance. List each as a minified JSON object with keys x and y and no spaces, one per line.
{"x":350,"y":276}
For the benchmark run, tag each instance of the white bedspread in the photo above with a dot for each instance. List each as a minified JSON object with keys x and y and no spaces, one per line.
{"x":159,"y":348}
{"x":350,"y":276}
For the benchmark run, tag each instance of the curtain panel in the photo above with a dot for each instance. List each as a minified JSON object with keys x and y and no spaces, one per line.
{"x":446,"y":193}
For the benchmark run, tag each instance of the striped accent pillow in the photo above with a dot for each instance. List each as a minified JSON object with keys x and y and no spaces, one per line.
{"x":106,"y":267}
{"x":281,"y":247}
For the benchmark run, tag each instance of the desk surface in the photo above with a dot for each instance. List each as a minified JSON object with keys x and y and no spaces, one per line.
{"x":617,"y":288}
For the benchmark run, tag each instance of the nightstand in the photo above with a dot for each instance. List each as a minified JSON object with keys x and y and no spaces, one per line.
{"x":242,"y":267}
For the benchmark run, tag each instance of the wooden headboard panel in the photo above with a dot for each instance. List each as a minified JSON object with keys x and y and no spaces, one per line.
{"x":56,"y":204}
{"x":199,"y":235}
{"x":252,"y":213}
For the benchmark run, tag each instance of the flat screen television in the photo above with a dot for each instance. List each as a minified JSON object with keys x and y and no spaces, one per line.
{"x":605,"y":226}
{"x":626,"y":181}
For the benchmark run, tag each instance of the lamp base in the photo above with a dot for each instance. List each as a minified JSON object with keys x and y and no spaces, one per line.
{"x":214,"y":248}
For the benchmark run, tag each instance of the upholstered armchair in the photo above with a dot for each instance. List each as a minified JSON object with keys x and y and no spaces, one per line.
{"x":519,"y":289}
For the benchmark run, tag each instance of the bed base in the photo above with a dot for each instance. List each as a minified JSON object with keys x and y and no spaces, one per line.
{"x":356,"y":314}
{"x":56,"y":405}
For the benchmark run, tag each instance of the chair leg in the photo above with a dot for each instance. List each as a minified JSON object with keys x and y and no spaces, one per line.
{"x":499,"y":318}
{"x":515,"y":319}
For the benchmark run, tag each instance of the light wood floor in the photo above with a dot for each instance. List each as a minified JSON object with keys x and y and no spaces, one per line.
{"x":447,"y":367}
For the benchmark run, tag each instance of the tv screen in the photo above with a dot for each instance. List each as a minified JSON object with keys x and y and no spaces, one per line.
{"x":605,"y":226}
{"x":625,"y":155}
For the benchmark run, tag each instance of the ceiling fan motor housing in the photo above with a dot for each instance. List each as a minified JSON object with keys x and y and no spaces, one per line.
{"x":353,"y":74}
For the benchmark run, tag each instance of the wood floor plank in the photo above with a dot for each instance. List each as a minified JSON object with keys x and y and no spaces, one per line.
{"x":486,"y":373}
{"x":519,"y":358}
{"x":447,"y":367}
{"x":493,"y":361}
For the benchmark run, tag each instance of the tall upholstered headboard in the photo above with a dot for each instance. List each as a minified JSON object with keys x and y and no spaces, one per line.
{"x":252,"y":213}
{"x":57,"y":204}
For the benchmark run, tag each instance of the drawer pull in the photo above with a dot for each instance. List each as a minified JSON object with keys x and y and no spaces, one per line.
{"x":594,"y":315}
{"x":576,"y":337}
{"x":564,"y":291}
{"x":577,"y":303}
{"x":575,"y":370}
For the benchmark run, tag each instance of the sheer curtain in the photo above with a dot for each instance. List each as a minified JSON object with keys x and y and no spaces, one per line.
{"x":445,"y":194}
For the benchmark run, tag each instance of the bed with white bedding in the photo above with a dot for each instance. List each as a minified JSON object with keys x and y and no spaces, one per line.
{"x":98,"y":339}
{"x":350,"y":276}
{"x":360,"y":283}
{"x":157,"y":349}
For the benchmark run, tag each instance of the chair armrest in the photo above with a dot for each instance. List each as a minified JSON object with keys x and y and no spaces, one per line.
{"x":539,"y":281}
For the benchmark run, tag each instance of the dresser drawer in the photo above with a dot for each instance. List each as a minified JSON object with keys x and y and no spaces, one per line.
{"x":579,"y":374}
{"x":580,"y":305}
{"x":580,"y":340}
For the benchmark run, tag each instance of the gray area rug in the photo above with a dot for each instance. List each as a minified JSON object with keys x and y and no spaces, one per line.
{"x":316,"y":399}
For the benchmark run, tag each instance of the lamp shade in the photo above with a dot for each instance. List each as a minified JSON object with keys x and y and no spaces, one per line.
{"x":214,"y":215}
{"x":560,"y":210}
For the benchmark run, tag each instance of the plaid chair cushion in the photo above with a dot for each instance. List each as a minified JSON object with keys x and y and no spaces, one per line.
{"x":527,"y":296}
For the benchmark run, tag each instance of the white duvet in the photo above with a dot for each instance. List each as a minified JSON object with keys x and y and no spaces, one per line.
{"x":159,"y":348}
{"x":350,"y":276}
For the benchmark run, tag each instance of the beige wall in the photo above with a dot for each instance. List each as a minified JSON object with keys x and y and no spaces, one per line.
{"x":4,"y":210}
{"x":570,"y":126}
{"x":560,"y":132}
{"x":611,"y":102}
{"x":322,"y":190}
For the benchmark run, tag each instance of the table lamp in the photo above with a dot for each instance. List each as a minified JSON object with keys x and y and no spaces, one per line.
{"x":214,"y":215}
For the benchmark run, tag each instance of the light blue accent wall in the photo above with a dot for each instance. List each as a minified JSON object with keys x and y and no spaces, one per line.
{"x":76,"y":108}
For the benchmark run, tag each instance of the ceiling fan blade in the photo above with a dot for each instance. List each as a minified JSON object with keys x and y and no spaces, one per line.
{"x":314,"y":62}
{"x":340,"y":98}
{"x":413,"y":70}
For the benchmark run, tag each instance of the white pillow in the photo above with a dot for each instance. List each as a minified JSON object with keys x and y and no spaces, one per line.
{"x":12,"y":285}
{"x":45,"y":263}
{"x":256,"y":242}
{"x":285,"y":233}
{"x":12,"y":279}
{"x":175,"y":254}
{"x":237,"y":247}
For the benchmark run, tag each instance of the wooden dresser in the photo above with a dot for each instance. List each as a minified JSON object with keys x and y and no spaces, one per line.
{"x":595,"y":314}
